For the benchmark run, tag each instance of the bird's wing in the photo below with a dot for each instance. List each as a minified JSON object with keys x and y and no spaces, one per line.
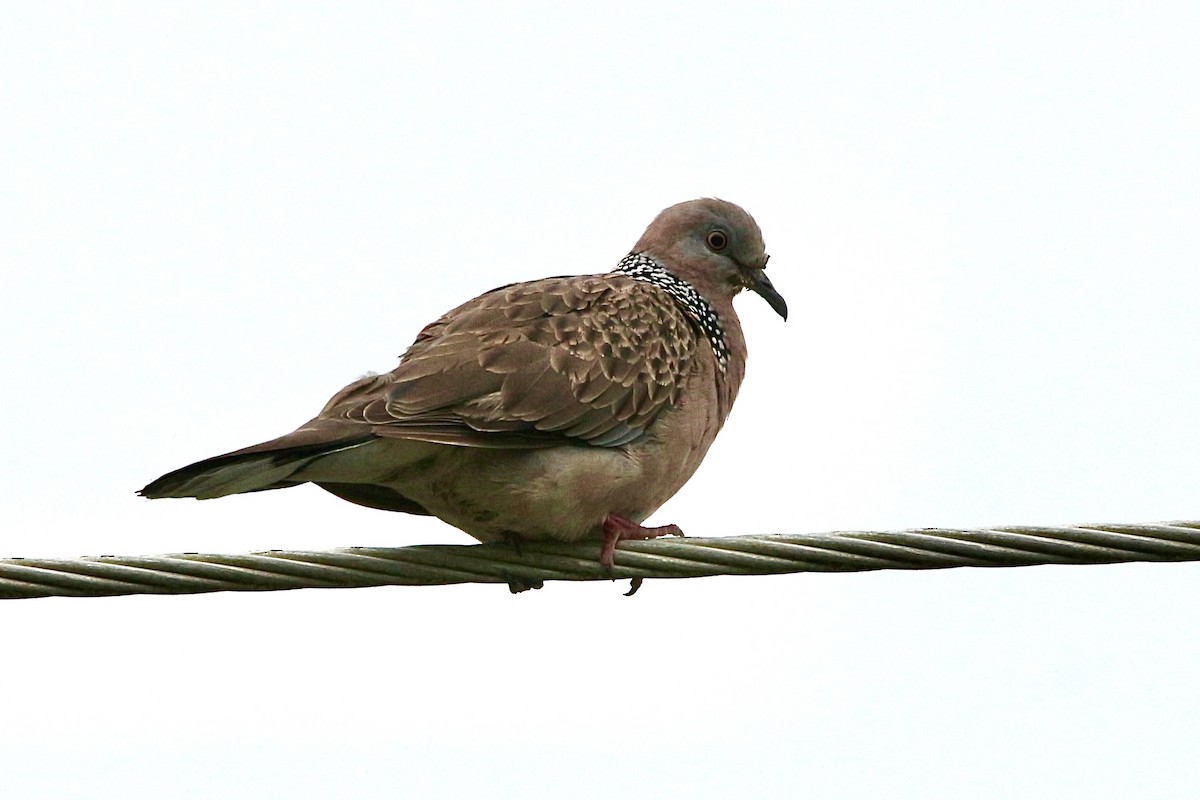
{"x":588,"y":360}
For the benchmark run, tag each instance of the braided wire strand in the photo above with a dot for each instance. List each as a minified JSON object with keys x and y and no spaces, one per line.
{"x":535,"y":562}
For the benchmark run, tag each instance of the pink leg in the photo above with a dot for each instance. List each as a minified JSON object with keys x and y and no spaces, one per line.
{"x":617,"y":528}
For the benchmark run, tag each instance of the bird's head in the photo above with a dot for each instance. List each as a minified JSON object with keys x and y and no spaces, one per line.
{"x":715,"y":246}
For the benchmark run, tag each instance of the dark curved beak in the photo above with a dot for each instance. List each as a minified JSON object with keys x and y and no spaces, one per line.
{"x":758,"y":282}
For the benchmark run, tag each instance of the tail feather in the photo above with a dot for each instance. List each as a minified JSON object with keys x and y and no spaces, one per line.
{"x":254,"y":469}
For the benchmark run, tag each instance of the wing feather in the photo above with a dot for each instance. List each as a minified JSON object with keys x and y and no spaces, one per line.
{"x":589,"y":360}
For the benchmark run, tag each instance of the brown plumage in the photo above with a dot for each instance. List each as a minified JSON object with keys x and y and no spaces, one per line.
{"x":563,"y":408}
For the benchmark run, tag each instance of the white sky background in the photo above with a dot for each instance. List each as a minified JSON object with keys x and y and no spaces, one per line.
{"x":984,"y":218}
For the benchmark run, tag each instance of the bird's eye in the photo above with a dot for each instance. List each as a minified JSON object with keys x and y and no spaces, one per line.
{"x":717,"y":241}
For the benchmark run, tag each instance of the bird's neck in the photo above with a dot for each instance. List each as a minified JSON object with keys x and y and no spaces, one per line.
{"x":729,"y":380}
{"x":720,"y":325}
{"x":642,"y":267}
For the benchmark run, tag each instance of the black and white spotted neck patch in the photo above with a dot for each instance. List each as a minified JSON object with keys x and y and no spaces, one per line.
{"x":642,"y":267}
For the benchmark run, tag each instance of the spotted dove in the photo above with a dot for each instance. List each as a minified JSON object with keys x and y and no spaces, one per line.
{"x":566,"y":408}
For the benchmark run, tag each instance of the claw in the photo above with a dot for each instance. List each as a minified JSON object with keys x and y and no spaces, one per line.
{"x":516,"y":584}
{"x":618,"y":528}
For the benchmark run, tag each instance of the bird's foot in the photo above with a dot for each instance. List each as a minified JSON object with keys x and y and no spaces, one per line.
{"x":514,"y":540}
{"x":517,"y":584}
{"x":618,"y":528}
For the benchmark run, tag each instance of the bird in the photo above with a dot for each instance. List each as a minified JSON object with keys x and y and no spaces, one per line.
{"x":568,"y":408}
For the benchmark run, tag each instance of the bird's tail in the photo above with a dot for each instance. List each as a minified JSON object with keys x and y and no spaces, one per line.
{"x":270,"y":465}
